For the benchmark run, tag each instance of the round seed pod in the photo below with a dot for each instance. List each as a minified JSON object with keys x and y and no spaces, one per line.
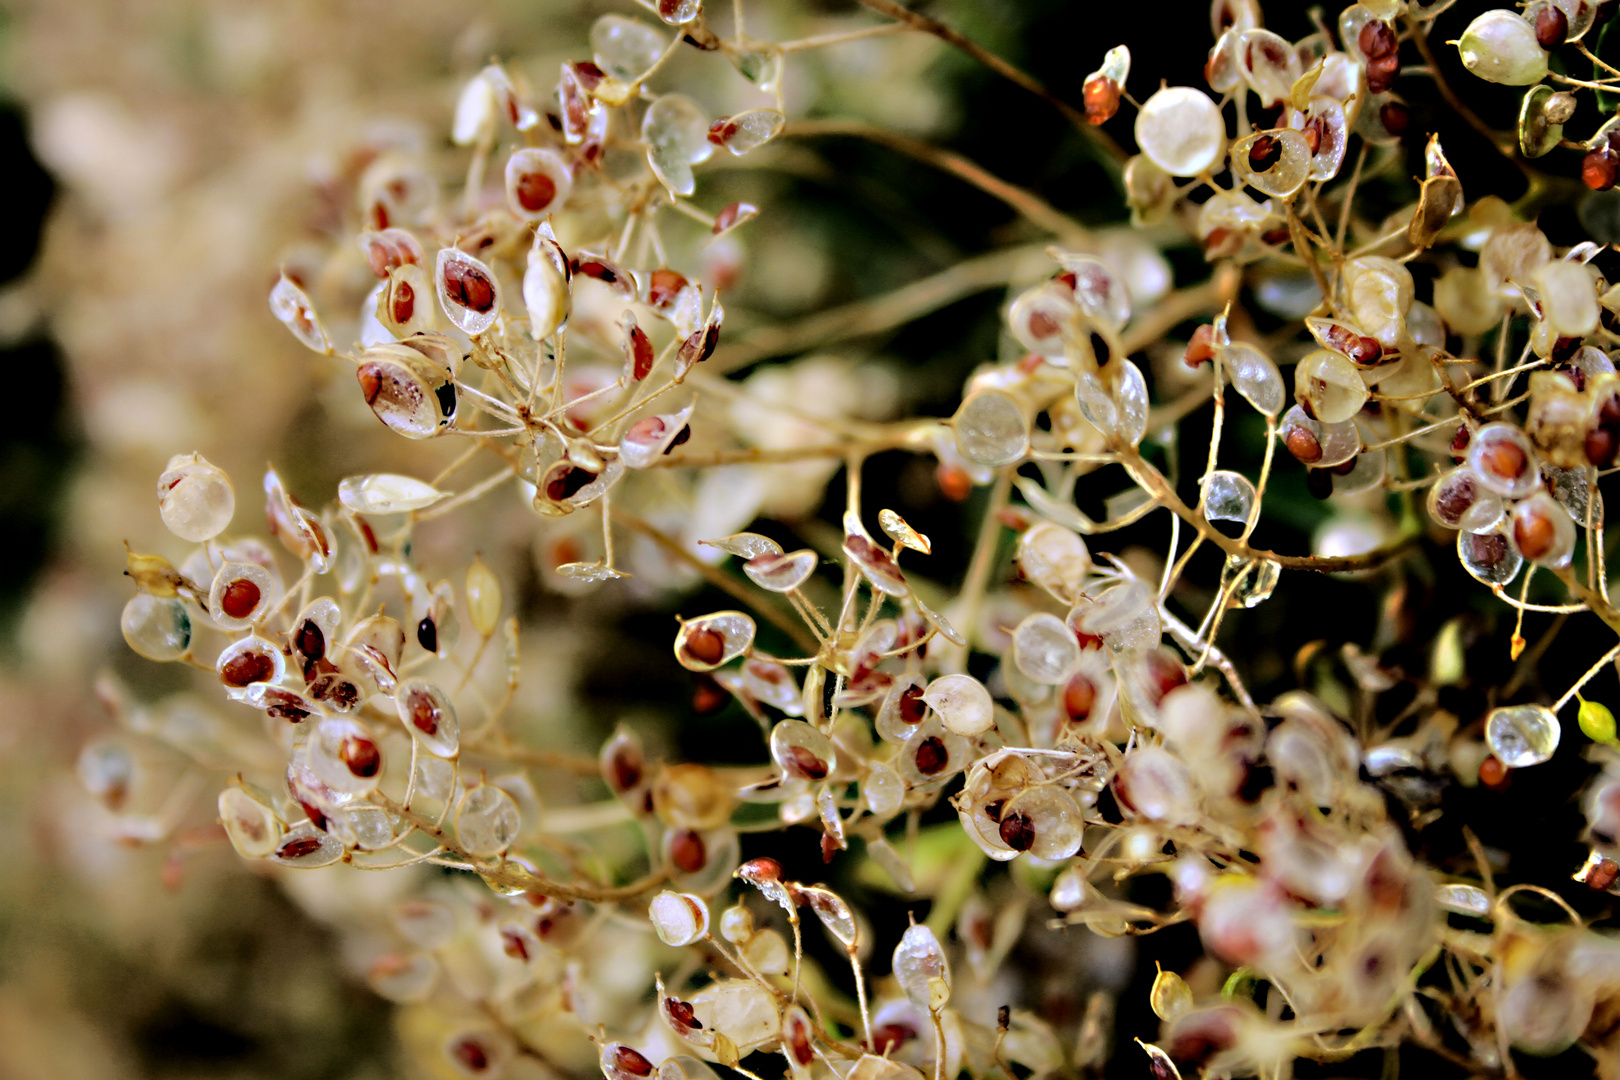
{"x":537,"y":182}
{"x":1501,"y":47}
{"x":802,"y":752}
{"x":1459,"y":501}
{"x":711,"y":641}
{"x":410,"y":393}
{"x":1276,"y":162}
{"x":1501,"y":456}
{"x":1181,"y":131}
{"x":250,"y":824}
{"x":468,"y":291}
{"x":250,"y":660}
{"x":1522,"y":735}
{"x":195,"y":498}
{"x":157,"y":628}
{"x":1329,"y":386}
{"x":429,"y":717}
{"x":487,"y":821}
{"x":678,"y":918}
{"x":1489,"y":557}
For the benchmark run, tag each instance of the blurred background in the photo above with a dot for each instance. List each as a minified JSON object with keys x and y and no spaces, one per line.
{"x":165,"y":156}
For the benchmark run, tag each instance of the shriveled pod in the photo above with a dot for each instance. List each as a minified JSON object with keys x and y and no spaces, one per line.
{"x":404,"y":303}
{"x":468,"y":290}
{"x":1459,"y":501}
{"x":380,"y":640}
{"x":902,"y":709}
{"x":1568,"y":299}
{"x":1055,"y":559}
{"x":1539,"y":133}
{"x":1440,"y":198}
{"x":1099,"y":293}
{"x":1543,"y":531}
{"x":1154,"y":784}
{"x":1254,"y":376}
{"x":195,"y":498}
{"x":1379,"y":293}
{"x":337,"y":693}
{"x":1044,"y":821}
{"x":1043,"y":317}
{"x":429,"y":717}
{"x":240,"y":595}
{"x":1044,"y":649}
{"x":781,"y":573}
{"x":1522,"y":735}
{"x":670,"y":296}
{"x":1342,"y":338}
{"x":962,"y":704}
{"x":487,"y":821}
{"x":1102,"y":88}
{"x":625,"y":48}
{"x":1269,"y":64}
{"x":291,"y":306}
{"x":709,"y":641}
{"x":410,"y":393}
{"x":156,"y":627}
{"x":545,"y":286}
{"x":921,"y":969}
{"x":1276,"y":163}
{"x":1501,"y":456}
{"x":1312,"y":442}
{"x":1228,"y":496}
{"x":802,"y":752}
{"x":676,"y":132}
{"x":1329,"y":386}
{"x":1501,"y":47}
{"x":304,"y":847}
{"x":250,"y":824}
{"x":932,"y":752}
{"x":747,"y":130}
{"x":1181,"y":131}
{"x":652,"y":437}
{"x":1489,"y":556}
{"x":537,"y":182}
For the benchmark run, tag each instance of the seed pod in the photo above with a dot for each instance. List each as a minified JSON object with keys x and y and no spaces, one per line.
{"x":1489,"y":557}
{"x":1568,"y":300}
{"x":1501,"y":47}
{"x":931,"y":753}
{"x":158,"y":628}
{"x":289,"y":304}
{"x":1170,"y":996}
{"x":678,"y":918}
{"x":1379,"y":292}
{"x":1276,"y":162}
{"x":1254,"y":376}
{"x":1149,"y":191}
{"x":1055,"y":559}
{"x":487,"y":821}
{"x":537,"y":182}
{"x":410,"y":393}
{"x":746,"y":130}
{"x":1459,"y":501}
{"x":1522,"y":735}
{"x":1329,"y":387}
{"x":1153,"y":784}
{"x":195,"y":498}
{"x":652,"y":437}
{"x":962,"y":704}
{"x":304,"y":847}
{"x":1044,"y":650}
{"x":1501,"y":456}
{"x":802,"y":752}
{"x":429,"y":717}
{"x":1181,"y":131}
{"x":921,"y":969}
{"x":403,"y":305}
{"x":676,"y":132}
{"x":468,"y":291}
{"x":620,"y":1062}
{"x":1543,"y":531}
{"x":710,"y":641}
{"x":781,"y":573}
{"x":249,"y":823}
{"x":1116,"y":405}
{"x":624,"y":47}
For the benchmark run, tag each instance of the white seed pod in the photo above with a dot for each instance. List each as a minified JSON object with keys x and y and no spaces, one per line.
{"x":1501,"y":456}
{"x":412,"y":394}
{"x":883,"y":791}
{"x":402,"y":303}
{"x":386,"y":493}
{"x":1228,"y":496}
{"x":1329,"y":386}
{"x":468,"y":291}
{"x":1044,"y":821}
{"x":1269,"y":64}
{"x":487,"y":821}
{"x":962,"y":704}
{"x":991,"y":428}
{"x":1379,"y":292}
{"x":921,"y":969}
{"x":158,"y":628}
{"x":1254,"y":376}
{"x":403,"y":978}
{"x":537,"y":182}
{"x":250,"y":824}
{"x":1522,"y":735}
{"x":747,"y":130}
{"x":802,"y":752}
{"x":343,"y":754}
{"x":290,"y":305}
{"x":741,"y":1010}
{"x":1276,"y":163}
{"x":676,"y":132}
{"x":1181,"y":131}
{"x":1489,"y":556}
{"x":1543,"y":531}
{"x":1044,"y":649}
{"x":624,"y":47}
{"x":679,"y":918}
{"x":307,"y":848}
{"x":1055,"y":559}
{"x":545,"y":288}
{"x":1154,"y":784}
{"x":1125,"y":616}
{"x":429,"y":717}
{"x":711,"y":641}
{"x":195,"y":498}
{"x":239,"y":595}
{"x":1459,"y":501}
{"x":1501,"y":47}
{"x":1568,"y":299}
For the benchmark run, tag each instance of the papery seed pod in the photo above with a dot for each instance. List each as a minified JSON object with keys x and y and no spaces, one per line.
{"x":902,"y":709}
{"x":429,"y":717}
{"x":289,"y":304}
{"x":624,"y":47}
{"x":802,"y":752}
{"x":195,"y":498}
{"x":408,"y":392}
{"x":487,"y":821}
{"x":1124,"y":616}
{"x":678,"y":918}
{"x":1043,"y":649}
{"x":1489,"y":556}
{"x":1227,"y":496}
{"x":468,"y":291}
{"x":345,"y":756}
{"x":1522,"y":735}
{"x":1154,"y":784}
{"x":1329,"y":387}
{"x":388,"y":249}
{"x":537,"y":182}
{"x":746,"y":130}
{"x":404,"y":306}
{"x":158,"y":628}
{"x":1459,"y":501}
{"x":240,"y":595}
{"x":691,"y":796}
{"x":1326,"y":128}
{"x":250,"y":823}
{"x":931,"y":753}
{"x":1542,"y":531}
{"x":1254,"y":376}
{"x":921,"y":969}
{"x":1269,"y":64}
{"x":1170,"y":996}
{"x":1276,"y":163}
{"x":1043,"y":317}
{"x":728,"y":218}
{"x":1044,"y":821}
{"x":304,"y":847}
{"x":1055,"y":559}
{"x":962,"y":704}
{"x":676,"y":131}
{"x":1501,"y":456}
{"x":1569,"y":301}
{"x":781,"y":573}
{"x":711,"y":641}
{"x":1379,"y":293}
{"x":1501,"y":47}
{"x":700,"y":344}
{"x":249,"y":660}
{"x":1181,"y":131}
{"x":652,"y":437}
{"x":1117,"y":405}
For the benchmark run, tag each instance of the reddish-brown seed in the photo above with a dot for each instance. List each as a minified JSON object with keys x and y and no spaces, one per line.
{"x":1303,"y":445}
{"x":1313,"y":131}
{"x":1599,"y":168}
{"x":663,"y":288}
{"x":954,"y":482}
{"x":535,"y":191}
{"x":298,"y":848}
{"x":1079,"y":697}
{"x":1101,"y":96}
{"x":1377,"y":39}
{"x":360,"y":756}
{"x":513,"y":945}
{"x":911,"y":708}
{"x":246,"y":668}
{"x":1264,"y":152}
{"x":402,"y":304}
{"x":1395,"y":117}
{"x":565,"y":485}
{"x":468,"y":286}
{"x":1381,"y":72}
{"x":687,"y":852}
{"x":625,"y":770}
{"x":802,"y":764}
{"x":239,"y":598}
{"x":1504,"y":459}
{"x":722,"y":130}
{"x":1552,"y":27}
{"x":889,"y":1037}
{"x":1533,"y":533}
{"x":423,"y":712}
{"x":762,"y":869}
{"x":311,"y":640}
{"x":1201,"y":349}
{"x":1603,"y":445}
{"x":1459,"y":444}
{"x":708,"y":696}
{"x":470,"y":1055}
{"x":931,"y":756}
{"x":682,"y":1013}
{"x":1017,"y":831}
{"x":706,"y":646}
{"x":1164,"y":674}
{"x":1492,"y":773}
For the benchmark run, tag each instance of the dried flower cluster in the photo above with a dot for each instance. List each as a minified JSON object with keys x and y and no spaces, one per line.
{"x":560,"y":315}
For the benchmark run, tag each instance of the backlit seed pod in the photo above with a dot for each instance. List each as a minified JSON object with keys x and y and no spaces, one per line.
{"x":1539,"y":134}
{"x":1331,"y":444}
{"x":404,"y":302}
{"x":468,"y":291}
{"x":1329,"y":387}
{"x":1181,"y":131}
{"x":991,"y":428}
{"x":1379,"y":292}
{"x":1364,"y":473}
{"x":386,"y":493}
{"x":1269,"y":64}
{"x":700,"y":344}
{"x":710,"y":641}
{"x":638,"y":349}
{"x":651,"y":437}
{"x":691,"y":796}
{"x":1149,"y":191}
{"x":883,"y":791}
{"x":741,"y":1011}
{"x":483,"y":597}
{"x":1170,"y":996}
{"x":279,"y":703}
{"x":962,"y":704}
{"x":1489,"y":557}
{"x":195,"y":498}
{"x":801,"y":752}
{"x":1044,"y":821}
{"x":1501,"y":456}
{"x":620,"y":1062}
{"x":290,"y":305}
{"x":1558,"y":420}
{"x":902,"y":709}
{"x":408,"y":392}
{"x":240,"y":594}
{"x":1522,"y":735}
{"x":386,"y":249}
{"x":1124,"y":616}
{"x":625,"y":48}
{"x":344,"y":755}
{"x":157,"y":628}
{"x":304,"y":847}
{"x":403,"y":978}
{"x":1276,"y":163}
{"x":746,"y":130}
{"x":1254,"y":376}
{"x":624,"y":769}
{"x":921,"y":969}
{"x":1044,"y":649}
{"x":250,"y":660}
{"x":1459,"y":501}
{"x":931,"y":753}
{"x":1055,"y":559}
{"x":1501,"y":47}
{"x":337,"y":693}
{"x":1117,"y":405}
{"x":676,"y":131}
{"x":781,"y":573}
{"x":1043,"y":317}
{"x":429,"y":717}
{"x":678,"y":918}
{"x":487,"y":821}
{"x":1228,"y":496}
{"x":250,"y":824}
{"x":1154,"y":784}
{"x":537,"y":182}
{"x":1098,"y":291}
{"x":1542,"y":530}
{"x":1568,"y":300}
{"x":833,"y":912}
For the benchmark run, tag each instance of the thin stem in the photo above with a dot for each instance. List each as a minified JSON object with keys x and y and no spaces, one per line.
{"x":823,"y":40}
{"x":1591,"y":673}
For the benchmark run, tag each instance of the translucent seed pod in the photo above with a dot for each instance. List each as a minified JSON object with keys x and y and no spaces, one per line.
{"x":1489,"y":556}
{"x":1042,"y":317}
{"x":1501,"y":456}
{"x":403,"y":978}
{"x":625,"y":48}
{"x":676,"y":132}
{"x":903,"y":708}
{"x":1124,"y":616}
{"x":962,"y":704}
{"x":679,"y":13}
{"x":1275,"y":163}
{"x":747,"y":130}
{"x":1362,"y":474}
{"x":1329,"y":386}
{"x":537,"y":182}
{"x":1044,"y":649}
{"x":620,"y":1062}
{"x":1098,"y":292}
{"x":1119,"y":410}
{"x":801,"y":752}
{"x":157,"y":628}
{"x":1317,"y":444}
{"x":386,"y":493}
{"x":487,"y":821}
{"x":1055,"y":559}
{"x":1459,"y":501}
{"x":468,"y":291}
{"x":1181,"y":131}
{"x":1254,"y":376}
{"x":1044,"y":821}
{"x":291,"y":306}
{"x":345,"y":756}
{"x":921,"y":969}
{"x":195,"y":498}
{"x":250,"y":824}
{"x":679,"y":918}
{"x":1149,"y":191}
{"x":931,"y":753}
{"x":1543,"y":531}
{"x":1568,"y":298}
{"x":483,"y":597}
{"x":240,"y":594}
{"x":991,"y":428}
{"x":429,"y":717}
{"x":781,"y":573}
{"x":834,"y":914}
{"x":1228,"y":496}
{"x":1154,"y":784}
{"x":652,"y":437}
{"x":710,"y":641}
{"x":411,"y":394}
{"x":1326,"y":128}
{"x":883,"y":791}
{"x":545,"y":290}
{"x":741,"y":1011}
{"x":1361,"y":350}
{"x":402,"y":303}
{"x":896,"y":529}
{"x":305,"y":847}
{"x":1379,"y":293}
{"x":1521,"y":735}
{"x":250,"y":660}
{"x":1269,"y":64}
{"x":1501,"y":47}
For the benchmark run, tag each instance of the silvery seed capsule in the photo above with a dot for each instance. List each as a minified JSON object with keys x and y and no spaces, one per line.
{"x":410,"y":393}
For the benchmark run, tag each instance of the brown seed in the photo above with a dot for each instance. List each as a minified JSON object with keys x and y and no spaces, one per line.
{"x":1164,"y":674}
{"x":1504,"y":459}
{"x":1603,"y":445}
{"x":1313,"y":131}
{"x":423,"y":712}
{"x":889,"y":1037}
{"x":1459,"y":444}
{"x":535,"y":191}
{"x":1079,"y":697}
{"x":1599,"y":168}
{"x":565,"y":485}
{"x":625,"y":770}
{"x":632,"y":1062}
{"x":705,"y":646}
{"x":1381,"y":73}
{"x":1492,"y":773}
{"x":1552,"y":27}
{"x":402,"y":303}
{"x":360,"y":756}
{"x":468,"y":286}
{"x":298,"y":848}
{"x":682,"y":1013}
{"x":1533,"y":533}
{"x":1304,"y":445}
{"x":239,"y":598}
{"x":1264,"y":152}
{"x":931,"y":756}
{"x":1017,"y":831}
{"x":1395,"y":117}
{"x":246,"y":668}
{"x":1101,"y":96}
{"x":1377,"y":39}
{"x":803,"y":764}
{"x":310,"y":640}
{"x":471,"y":1056}
{"x":1201,"y":348}
{"x":687,"y":852}
{"x":663,"y":288}
{"x":911,"y":708}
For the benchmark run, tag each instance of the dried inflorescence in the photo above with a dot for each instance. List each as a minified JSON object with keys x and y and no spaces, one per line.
{"x":1081,"y":730}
